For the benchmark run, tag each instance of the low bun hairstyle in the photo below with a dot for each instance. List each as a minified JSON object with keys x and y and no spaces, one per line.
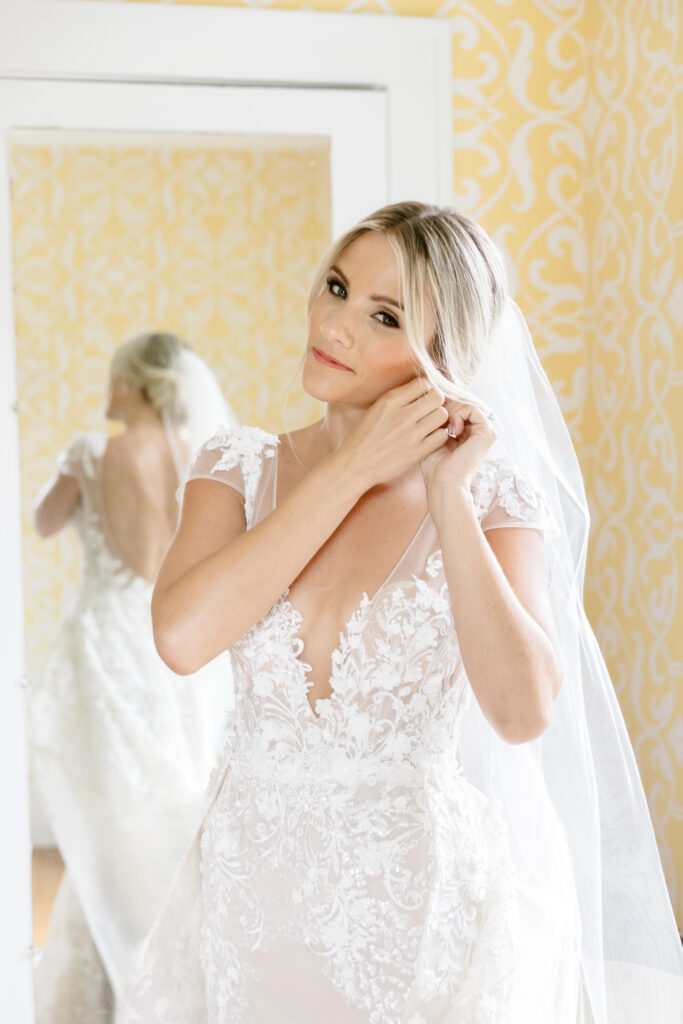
{"x":152,"y":363}
{"x":447,"y":260}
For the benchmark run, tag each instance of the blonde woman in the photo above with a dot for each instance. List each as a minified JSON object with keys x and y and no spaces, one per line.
{"x":410,"y":824}
{"x":121,"y":747}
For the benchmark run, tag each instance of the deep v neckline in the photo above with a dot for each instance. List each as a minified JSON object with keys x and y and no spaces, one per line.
{"x":296,"y":619}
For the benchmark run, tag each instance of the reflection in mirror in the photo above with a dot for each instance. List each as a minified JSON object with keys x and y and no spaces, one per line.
{"x":212,"y":239}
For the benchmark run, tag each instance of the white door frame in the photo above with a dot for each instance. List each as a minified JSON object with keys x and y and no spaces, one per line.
{"x":408,"y":59}
{"x":354,"y":121}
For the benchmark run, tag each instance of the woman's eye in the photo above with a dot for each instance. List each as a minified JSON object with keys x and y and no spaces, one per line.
{"x":333,"y":283}
{"x":394,"y":321}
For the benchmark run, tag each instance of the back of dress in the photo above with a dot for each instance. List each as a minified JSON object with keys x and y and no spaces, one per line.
{"x":121,"y":747}
{"x":128,"y":512}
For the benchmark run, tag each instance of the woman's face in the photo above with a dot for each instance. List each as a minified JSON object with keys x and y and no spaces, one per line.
{"x":357,"y":321}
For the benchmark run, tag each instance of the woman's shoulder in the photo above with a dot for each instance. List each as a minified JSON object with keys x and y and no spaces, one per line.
{"x":95,"y":440}
{"x":236,"y":456}
{"x":84,"y":448}
{"x":232,"y":453}
{"x":241,"y":438}
{"x":501,"y":483}
{"x":244,"y":446}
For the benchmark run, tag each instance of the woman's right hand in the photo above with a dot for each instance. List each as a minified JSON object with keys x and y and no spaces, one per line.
{"x":219,"y":578}
{"x":403,"y":426}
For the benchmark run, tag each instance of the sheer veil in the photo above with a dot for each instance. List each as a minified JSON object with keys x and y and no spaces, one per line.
{"x":573,"y":799}
{"x":203,"y":408}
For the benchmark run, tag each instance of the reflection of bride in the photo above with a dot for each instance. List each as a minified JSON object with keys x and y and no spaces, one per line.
{"x":121,"y":747}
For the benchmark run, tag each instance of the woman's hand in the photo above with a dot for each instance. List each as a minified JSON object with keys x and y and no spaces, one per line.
{"x":401,"y":428}
{"x":471,"y":434}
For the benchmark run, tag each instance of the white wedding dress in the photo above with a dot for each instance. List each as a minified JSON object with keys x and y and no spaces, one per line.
{"x":346,"y":870}
{"x":122,"y":750}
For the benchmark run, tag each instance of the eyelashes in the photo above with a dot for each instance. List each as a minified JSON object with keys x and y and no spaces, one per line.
{"x":332,"y":281}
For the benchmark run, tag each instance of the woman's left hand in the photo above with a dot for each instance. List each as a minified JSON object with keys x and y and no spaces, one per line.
{"x":472,"y":433}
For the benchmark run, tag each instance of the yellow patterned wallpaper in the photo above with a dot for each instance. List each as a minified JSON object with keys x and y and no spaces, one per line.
{"x":213,"y":238}
{"x":568,"y":127}
{"x":567,"y":147}
{"x":634,"y":416}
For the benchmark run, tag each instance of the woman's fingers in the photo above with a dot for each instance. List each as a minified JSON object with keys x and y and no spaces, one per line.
{"x":405,"y":394}
{"x":463,"y":414}
{"x":435,"y":418}
{"x":425,"y":404}
{"x":432,"y":442}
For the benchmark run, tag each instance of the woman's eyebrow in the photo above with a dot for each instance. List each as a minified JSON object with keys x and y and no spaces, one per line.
{"x":375,"y":298}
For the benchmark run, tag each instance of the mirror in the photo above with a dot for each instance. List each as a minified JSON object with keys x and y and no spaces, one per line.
{"x":211,"y":237}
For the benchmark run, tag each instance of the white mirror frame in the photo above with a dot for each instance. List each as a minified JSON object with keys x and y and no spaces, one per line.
{"x":71,"y":40}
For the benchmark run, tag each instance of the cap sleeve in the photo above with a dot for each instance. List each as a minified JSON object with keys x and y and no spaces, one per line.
{"x":78,"y":458}
{"x":505,"y":495}
{"x":234,"y":456}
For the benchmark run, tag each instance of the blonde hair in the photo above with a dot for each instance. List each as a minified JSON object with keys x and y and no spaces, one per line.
{"x":151,"y":362}
{"x":448,"y":260}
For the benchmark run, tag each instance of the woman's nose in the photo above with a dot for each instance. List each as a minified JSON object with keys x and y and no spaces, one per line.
{"x":335,"y":328}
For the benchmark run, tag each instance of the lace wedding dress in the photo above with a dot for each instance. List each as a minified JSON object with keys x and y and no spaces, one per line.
{"x":346,"y":871}
{"x":122,"y":750}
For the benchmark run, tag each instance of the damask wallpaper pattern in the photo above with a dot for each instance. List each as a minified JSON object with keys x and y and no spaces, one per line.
{"x":216,"y":240}
{"x":568,"y":128}
{"x":567,"y":133}
{"x":633,"y":119}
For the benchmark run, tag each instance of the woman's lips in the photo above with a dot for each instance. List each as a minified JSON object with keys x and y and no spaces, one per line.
{"x":329,"y":361}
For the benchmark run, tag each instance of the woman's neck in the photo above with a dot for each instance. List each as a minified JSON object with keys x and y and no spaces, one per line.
{"x":326,"y":436}
{"x":142,"y":416}
{"x":331,"y":430}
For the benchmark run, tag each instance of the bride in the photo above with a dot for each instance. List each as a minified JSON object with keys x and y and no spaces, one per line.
{"x":428,"y":809}
{"x":121,"y":747}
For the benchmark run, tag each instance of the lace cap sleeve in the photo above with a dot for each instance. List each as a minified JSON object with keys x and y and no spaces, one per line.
{"x":234,"y":456}
{"x":78,"y":458}
{"x":505,"y":495}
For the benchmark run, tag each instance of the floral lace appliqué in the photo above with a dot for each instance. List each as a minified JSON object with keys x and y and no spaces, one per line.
{"x":353,"y":835}
{"x":348,"y":844}
{"x":515,"y":491}
{"x":245,"y":447}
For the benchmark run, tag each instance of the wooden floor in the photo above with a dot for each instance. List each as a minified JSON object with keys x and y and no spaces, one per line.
{"x":46,"y":868}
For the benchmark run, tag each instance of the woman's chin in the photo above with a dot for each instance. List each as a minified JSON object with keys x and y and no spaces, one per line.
{"x":323,"y":388}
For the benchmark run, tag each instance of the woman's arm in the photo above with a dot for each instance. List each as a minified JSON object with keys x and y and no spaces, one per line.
{"x":501,"y":610}
{"x":56,"y":504}
{"x":218,"y":578}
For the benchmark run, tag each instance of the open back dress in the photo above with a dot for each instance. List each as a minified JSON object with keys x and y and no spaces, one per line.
{"x":122,"y":750}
